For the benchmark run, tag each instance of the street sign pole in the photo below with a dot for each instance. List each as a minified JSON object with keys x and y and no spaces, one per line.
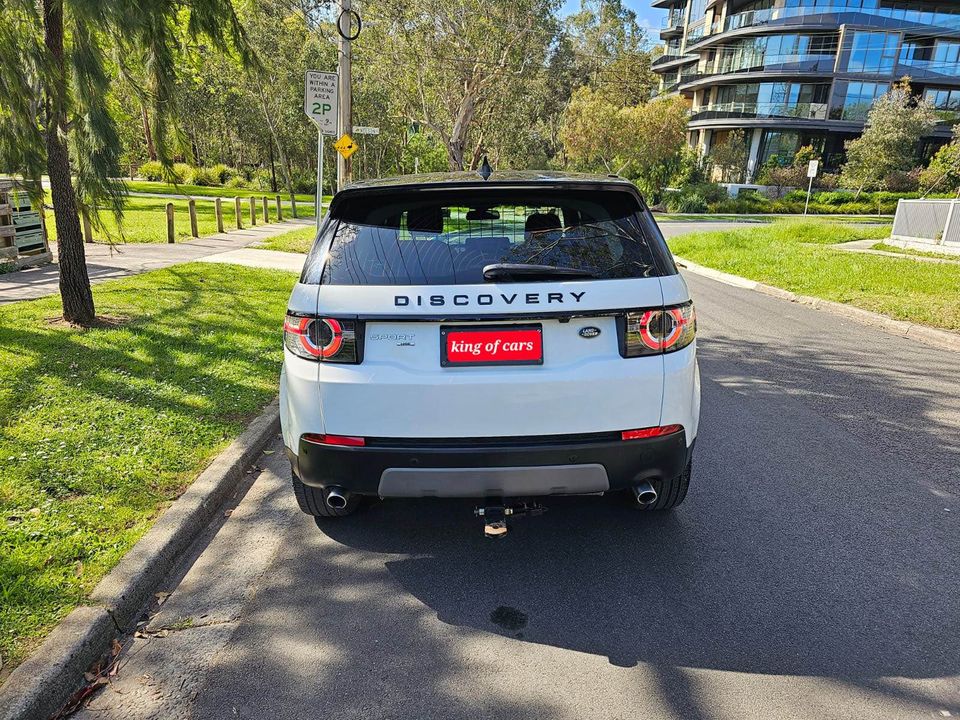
{"x":812,"y":170}
{"x":319,"y":204}
{"x":321,"y":101}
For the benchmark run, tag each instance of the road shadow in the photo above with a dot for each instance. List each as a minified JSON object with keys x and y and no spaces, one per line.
{"x":815,"y":544}
{"x":803,"y":549}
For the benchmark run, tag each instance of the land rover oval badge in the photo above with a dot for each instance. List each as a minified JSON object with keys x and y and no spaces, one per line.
{"x":589,"y":331}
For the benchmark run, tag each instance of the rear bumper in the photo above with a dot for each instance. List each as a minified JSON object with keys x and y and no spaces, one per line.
{"x":526,"y":468}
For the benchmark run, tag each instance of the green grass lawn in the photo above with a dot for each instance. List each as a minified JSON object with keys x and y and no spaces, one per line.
{"x":714,"y":217}
{"x":147,"y":186}
{"x":101,"y":429}
{"x":916,"y":253}
{"x":794,"y":255}
{"x":296,"y":241}
{"x":145,"y":219}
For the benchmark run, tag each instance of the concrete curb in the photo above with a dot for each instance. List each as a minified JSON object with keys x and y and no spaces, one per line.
{"x":43,"y":683}
{"x":943,"y":339}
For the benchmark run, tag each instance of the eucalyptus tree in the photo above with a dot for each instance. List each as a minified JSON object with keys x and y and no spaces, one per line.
{"x":55,"y":61}
{"x":451,"y":63}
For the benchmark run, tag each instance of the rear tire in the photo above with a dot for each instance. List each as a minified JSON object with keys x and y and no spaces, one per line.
{"x":313,"y":501}
{"x":670,"y":493}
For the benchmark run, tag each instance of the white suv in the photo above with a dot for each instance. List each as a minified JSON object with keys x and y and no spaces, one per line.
{"x":504,"y":339}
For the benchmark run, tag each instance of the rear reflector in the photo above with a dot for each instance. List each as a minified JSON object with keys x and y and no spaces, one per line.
{"x":650,"y":432}
{"x":342,"y":440}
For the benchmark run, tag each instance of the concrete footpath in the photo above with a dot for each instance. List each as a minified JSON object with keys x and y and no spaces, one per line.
{"x":106,"y":262}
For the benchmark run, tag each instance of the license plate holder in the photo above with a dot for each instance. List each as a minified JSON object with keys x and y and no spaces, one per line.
{"x":491,"y":345}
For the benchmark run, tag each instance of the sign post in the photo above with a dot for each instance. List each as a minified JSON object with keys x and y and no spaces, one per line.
{"x":812,"y":170}
{"x":321,"y":104}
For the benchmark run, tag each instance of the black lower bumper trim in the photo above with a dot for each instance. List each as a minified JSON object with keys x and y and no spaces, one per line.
{"x":359,"y":469}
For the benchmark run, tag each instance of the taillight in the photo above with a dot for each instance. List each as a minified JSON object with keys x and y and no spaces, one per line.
{"x":316,"y":338}
{"x":649,"y":432}
{"x":650,"y":332}
{"x":339,"y":440}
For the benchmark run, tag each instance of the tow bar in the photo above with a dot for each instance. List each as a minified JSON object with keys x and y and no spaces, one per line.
{"x":495,"y":516}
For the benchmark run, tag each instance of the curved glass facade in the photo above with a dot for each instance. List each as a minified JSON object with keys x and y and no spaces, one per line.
{"x":766,"y":11}
{"x":808,"y":71}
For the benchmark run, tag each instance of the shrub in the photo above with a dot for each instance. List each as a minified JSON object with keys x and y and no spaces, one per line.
{"x":710,"y":192}
{"x":782,"y":177}
{"x":692,"y":203}
{"x":899,"y":181}
{"x":260,"y":179}
{"x":181,"y":171}
{"x":152,"y":170}
{"x":237,"y":181}
{"x":827,"y":181}
{"x":224,"y":173}
{"x":836,"y":197}
{"x":204,"y":177}
{"x":304,"y":182}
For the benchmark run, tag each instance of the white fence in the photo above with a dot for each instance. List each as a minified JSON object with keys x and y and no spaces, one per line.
{"x":935,"y":222}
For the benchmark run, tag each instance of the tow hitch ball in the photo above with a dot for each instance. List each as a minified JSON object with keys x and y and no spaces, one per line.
{"x":495,"y":516}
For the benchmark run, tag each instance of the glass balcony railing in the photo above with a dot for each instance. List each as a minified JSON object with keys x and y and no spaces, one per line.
{"x":927,"y":69}
{"x":671,"y":21}
{"x":803,"y":111}
{"x":695,"y":33}
{"x":867,"y":7}
{"x":813,"y":62}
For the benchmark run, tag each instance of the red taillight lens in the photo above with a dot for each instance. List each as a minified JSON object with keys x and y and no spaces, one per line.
{"x":641,"y":433}
{"x":327,"y":339}
{"x":650,"y":332}
{"x":341,"y":440}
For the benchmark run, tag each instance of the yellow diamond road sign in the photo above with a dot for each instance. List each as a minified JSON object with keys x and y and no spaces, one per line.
{"x":346,"y":146}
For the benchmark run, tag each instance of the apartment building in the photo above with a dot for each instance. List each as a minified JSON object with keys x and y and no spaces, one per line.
{"x":805,"y":72}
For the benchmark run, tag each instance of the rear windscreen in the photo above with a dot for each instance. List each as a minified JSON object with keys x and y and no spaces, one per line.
{"x":449,"y":238}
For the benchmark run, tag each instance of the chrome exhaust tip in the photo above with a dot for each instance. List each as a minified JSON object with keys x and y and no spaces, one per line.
{"x":645,"y":494}
{"x":337,"y":498}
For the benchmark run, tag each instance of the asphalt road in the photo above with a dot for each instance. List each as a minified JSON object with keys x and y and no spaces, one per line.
{"x":811,"y":573}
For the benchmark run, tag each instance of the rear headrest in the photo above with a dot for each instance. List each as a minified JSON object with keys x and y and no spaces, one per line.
{"x":542,"y":221}
{"x":425,"y":220}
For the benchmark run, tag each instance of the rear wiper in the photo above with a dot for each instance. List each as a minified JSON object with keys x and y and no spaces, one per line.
{"x":519,"y":272}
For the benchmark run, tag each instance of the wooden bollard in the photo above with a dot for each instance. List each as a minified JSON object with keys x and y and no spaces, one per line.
{"x":87,"y":229}
{"x":266,"y":210}
{"x":236,"y":208}
{"x":192,"y":209}
{"x":279,"y":210}
{"x":253,"y":210}
{"x":171,"y":236}
{"x":218,"y":208}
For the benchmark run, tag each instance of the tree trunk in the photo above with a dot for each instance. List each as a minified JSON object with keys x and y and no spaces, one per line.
{"x":273,"y":170}
{"x":75,"y":290}
{"x":284,"y":160}
{"x":457,"y":144}
{"x":148,"y":134}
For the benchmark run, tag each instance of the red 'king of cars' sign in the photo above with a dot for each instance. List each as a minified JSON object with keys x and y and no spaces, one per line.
{"x":493,"y":346}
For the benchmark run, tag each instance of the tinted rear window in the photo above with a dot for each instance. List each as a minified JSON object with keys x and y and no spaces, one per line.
{"x":447,"y":238}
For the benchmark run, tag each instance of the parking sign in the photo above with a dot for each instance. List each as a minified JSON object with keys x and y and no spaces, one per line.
{"x":320,"y":100}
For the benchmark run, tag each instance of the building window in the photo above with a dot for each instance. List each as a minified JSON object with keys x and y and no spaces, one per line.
{"x":873,"y":52}
{"x":943,"y":99}
{"x":947,"y":52}
{"x":778,"y":99}
{"x":854,"y":99}
{"x":698,"y":8}
{"x":947,"y":103}
{"x":779,"y":146}
{"x":778,"y":50}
